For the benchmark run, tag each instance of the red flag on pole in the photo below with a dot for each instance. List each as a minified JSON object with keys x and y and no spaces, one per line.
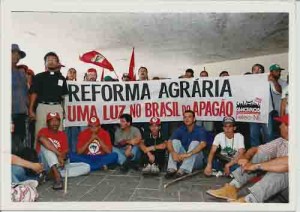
{"x":97,"y":59}
{"x":102,"y":75}
{"x":131,"y":67}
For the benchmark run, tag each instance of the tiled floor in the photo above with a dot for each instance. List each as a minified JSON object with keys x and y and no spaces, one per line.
{"x":112,"y":185}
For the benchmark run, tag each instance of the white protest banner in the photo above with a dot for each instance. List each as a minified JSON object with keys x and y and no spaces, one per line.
{"x":245,"y":97}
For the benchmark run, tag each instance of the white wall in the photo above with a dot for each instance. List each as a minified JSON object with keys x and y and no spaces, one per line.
{"x":241,"y":66}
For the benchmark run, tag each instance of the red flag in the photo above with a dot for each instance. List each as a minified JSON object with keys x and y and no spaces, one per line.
{"x":131,"y":67}
{"x":102,"y":75}
{"x":97,"y":59}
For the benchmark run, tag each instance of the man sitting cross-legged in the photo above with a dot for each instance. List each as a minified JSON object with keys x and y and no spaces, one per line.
{"x":153,"y":147}
{"x":185,"y":147}
{"x":52,"y":147}
{"x":231,"y":145}
{"x":271,"y":158}
{"x":94,"y":146}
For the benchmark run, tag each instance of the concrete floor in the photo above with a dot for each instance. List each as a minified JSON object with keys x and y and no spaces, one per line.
{"x":112,"y":185}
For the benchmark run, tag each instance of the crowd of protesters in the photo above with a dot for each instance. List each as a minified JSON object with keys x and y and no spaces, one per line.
{"x":41,"y":147}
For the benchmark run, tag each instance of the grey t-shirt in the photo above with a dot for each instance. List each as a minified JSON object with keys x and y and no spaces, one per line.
{"x":121,"y":135}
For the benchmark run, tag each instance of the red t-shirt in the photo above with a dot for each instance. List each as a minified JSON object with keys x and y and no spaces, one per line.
{"x":94,"y":148}
{"x":59,"y":139}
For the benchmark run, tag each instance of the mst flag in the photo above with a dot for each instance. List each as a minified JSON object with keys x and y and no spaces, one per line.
{"x":97,"y":59}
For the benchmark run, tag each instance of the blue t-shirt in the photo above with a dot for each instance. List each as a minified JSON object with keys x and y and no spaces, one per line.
{"x":186,"y":137}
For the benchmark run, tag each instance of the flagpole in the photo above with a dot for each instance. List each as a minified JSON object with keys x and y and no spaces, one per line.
{"x":116,"y":74}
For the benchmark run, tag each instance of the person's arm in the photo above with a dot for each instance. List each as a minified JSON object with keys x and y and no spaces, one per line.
{"x":143,"y":147}
{"x":276,"y":88}
{"x":137,"y":138}
{"x":249,"y":154}
{"x":16,"y":160}
{"x":283,"y":105}
{"x":278,"y":165}
{"x":159,"y":146}
{"x":104,"y":146}
{"x":48,"y":145}
{"x":198,"y":149}
{"x":211,"y":155}
{"x":33,"y":98}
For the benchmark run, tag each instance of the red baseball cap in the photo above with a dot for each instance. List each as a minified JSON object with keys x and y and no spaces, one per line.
{"x":155,"y":120}
{"x":283,"y":119}
{"x":52,"y":116}
{"x":30,"y":72}
{"x":91,"y":70}
{"x":94,"y":121}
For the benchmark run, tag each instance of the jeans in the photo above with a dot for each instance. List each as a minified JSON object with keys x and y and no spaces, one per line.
{"x":18,"y":174}
{"x":267,"y":132}
{"x":49,"y":159}
{"x":121,"y":154}
{"x":188,"y":164}
{"x":96,"y":162}
{"x":72,"y":133}
{"x":271,"y":184}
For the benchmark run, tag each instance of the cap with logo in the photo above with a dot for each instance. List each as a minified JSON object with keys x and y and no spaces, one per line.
{"x":275,"y":67}
{"x":15,"y":47}
{"x":283,"y":119}
{"x":52,"y":116}
{"x":92,"y":70}
{"x":228,"y":120}
{"x":94,"y":121}
{"x":155,"y":120}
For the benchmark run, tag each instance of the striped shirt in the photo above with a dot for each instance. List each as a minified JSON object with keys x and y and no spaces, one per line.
{"x":276,"y":148}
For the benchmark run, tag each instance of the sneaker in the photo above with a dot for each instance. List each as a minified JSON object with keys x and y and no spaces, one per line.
{"x":170,"y":173}
{"x":227,"y":192}
{"x":154,"y":169}
{"x":239,"y":200}
{"x":124,"y":167}
{"x":147,"y":169}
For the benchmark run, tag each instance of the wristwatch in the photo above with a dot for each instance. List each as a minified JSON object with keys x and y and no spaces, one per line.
{"x":259,"y":167}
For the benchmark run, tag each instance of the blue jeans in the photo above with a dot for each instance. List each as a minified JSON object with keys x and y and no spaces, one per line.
{"x":121,"y":154}
{"x":72,"y":133}
{"x":193,"y":162}
{"x":219,"y":165}
{"x":18,"y":174}
{"x":256,"y":129}
{"x":96,"y":162}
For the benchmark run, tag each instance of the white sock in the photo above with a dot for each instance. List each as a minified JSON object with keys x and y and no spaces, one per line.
{"x":235,"y":183}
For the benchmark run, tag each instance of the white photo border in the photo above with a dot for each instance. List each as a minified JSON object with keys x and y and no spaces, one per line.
{"x":157,"y":6}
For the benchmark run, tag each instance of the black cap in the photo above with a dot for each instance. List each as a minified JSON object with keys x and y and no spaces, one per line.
{"x":228,"y":120}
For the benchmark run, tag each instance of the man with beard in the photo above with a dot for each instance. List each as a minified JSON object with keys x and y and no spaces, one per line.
{"x":143,"y":74}
{"x":47,"y":90}
{"x":52,"y":146}
{"x":185,"y":147}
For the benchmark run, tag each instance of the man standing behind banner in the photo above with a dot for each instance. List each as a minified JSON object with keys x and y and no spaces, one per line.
{"x":94,"y":146}
{"x":127,"y":138}
{"x":185,"y":147}
{"x":48,"y":89}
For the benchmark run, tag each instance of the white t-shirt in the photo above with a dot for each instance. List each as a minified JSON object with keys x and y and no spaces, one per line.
{"x":236,"y":143}
{"x":276,"y":95}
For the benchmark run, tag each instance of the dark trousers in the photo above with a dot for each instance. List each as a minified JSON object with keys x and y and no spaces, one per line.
{"x":160,"y":156}
{"x":19,"y":133}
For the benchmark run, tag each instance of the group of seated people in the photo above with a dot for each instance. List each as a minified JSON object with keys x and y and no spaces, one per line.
{"x":186,"y":150}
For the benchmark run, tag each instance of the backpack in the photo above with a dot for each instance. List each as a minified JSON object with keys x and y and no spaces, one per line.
{"x":24,"y":191}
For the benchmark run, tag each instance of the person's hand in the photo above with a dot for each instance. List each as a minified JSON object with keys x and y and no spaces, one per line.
{"x":243,"y":163}
{"x":175,"y":156}
{"x":208,"y":170}
{"x":227,"y":169}
{"x":271,"y":78}
{"x":128,"y":151}
{"x":61,"y":159}
{"x":250,"y":167}
{"x":151,"y":157}
{"x":37,"y":167}
{"x":183,"y":156}
{"x":32,"y":115}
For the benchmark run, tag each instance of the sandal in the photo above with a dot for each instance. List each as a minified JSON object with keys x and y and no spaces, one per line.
{"x":58,"y":185}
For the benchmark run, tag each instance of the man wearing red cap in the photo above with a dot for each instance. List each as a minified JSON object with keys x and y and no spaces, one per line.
{"x":53,"y":148}
{"x":94,"y":146}
{"x":153,"y":146}
{"x":91,"y":74}
{"x":271,"y":158}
